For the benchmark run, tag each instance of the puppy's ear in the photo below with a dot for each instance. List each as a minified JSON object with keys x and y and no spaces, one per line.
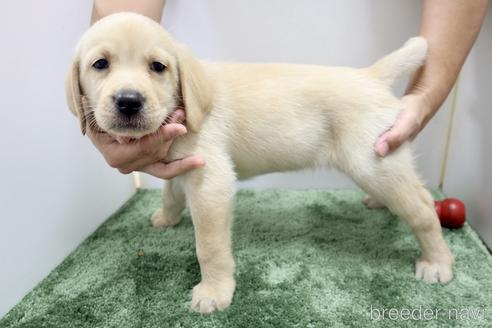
{"x":74,"y":93}
{"x":196,"y":88}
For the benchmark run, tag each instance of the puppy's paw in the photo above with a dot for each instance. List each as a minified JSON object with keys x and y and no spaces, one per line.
{"x":160,"y":219}
{"x":371,"y":203}
{"x":208,"y":297}
{"x":433,"y":272}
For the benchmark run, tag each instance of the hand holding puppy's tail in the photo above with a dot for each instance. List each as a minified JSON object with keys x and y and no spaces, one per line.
{"x":405,"y":60}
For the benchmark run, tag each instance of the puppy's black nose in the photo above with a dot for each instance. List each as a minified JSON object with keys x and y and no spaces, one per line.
{"x":128,"y":102}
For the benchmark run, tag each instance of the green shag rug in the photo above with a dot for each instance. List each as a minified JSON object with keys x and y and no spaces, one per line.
{"x":304,"y":259}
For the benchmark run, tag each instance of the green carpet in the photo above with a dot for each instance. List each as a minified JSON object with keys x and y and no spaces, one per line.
{"x":304,"y":259}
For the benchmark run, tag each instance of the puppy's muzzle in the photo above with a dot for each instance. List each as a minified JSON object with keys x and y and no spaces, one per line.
{"x":128,"y":103}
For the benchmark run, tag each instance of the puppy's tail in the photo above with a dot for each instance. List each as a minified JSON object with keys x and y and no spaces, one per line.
{"x":405,"y":60}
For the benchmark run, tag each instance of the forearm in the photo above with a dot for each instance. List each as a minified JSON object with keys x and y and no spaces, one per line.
{"x":451,"y":28}
{"x":149,"y":8}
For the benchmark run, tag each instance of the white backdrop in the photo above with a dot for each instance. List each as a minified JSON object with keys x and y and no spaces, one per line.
{"x":343,"y":32}
{"x":55,"y":187}
{"x":469,"y":173}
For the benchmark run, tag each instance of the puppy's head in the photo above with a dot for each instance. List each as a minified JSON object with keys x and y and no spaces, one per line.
{"x":128,"y":75}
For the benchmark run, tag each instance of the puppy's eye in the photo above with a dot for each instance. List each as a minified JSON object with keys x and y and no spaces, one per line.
{"x":101,"y":64}
{"x":157,"y":67}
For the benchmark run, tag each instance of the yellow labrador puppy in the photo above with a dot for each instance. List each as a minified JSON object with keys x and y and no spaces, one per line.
{"x":129,"y":74}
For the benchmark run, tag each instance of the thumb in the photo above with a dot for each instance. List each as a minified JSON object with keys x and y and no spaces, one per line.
{"x":392,"y":139}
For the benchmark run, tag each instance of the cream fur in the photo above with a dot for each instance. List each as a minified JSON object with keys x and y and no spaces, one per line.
{"x":250,"y":119}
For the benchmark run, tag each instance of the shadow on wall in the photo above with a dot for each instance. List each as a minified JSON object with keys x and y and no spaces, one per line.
{"x":481,"y":112}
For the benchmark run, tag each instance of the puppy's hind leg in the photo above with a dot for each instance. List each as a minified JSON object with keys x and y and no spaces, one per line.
{"x":392,"y":181}
{"x":371,"y":203}
{"x":173,"y":204}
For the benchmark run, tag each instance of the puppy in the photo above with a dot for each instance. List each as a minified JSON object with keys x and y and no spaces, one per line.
{"x":129,"y":74}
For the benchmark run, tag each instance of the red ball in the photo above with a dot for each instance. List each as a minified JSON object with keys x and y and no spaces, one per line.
{"x":451,"y":212}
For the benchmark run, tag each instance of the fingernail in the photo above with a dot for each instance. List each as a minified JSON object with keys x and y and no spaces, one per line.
{"x":199,"y":162}
{"x":179,"y":132}
{"x":382,"y":149}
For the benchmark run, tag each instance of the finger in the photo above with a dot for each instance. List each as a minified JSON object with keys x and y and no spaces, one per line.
{"x":175,"y":168}
{"x":171,"y":131}
{"x":392,"y":139}
{"x":155,"y":146}
{"x":164,"y":134}
{"x":382,"y":147}
{"x":178,"y":116}
{"x":142,"y":152}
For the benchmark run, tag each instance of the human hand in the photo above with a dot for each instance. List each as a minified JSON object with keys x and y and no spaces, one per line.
{"x":416,"y":112}
{"x":146,"y":154}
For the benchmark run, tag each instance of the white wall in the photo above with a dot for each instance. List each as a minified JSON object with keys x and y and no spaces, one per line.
{"x":337,"y":32}
{"x":56,"y":189}
{"x":469,"y":176}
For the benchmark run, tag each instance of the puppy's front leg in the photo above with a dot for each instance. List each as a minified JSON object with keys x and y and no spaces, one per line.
{"x":210,"y":192}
